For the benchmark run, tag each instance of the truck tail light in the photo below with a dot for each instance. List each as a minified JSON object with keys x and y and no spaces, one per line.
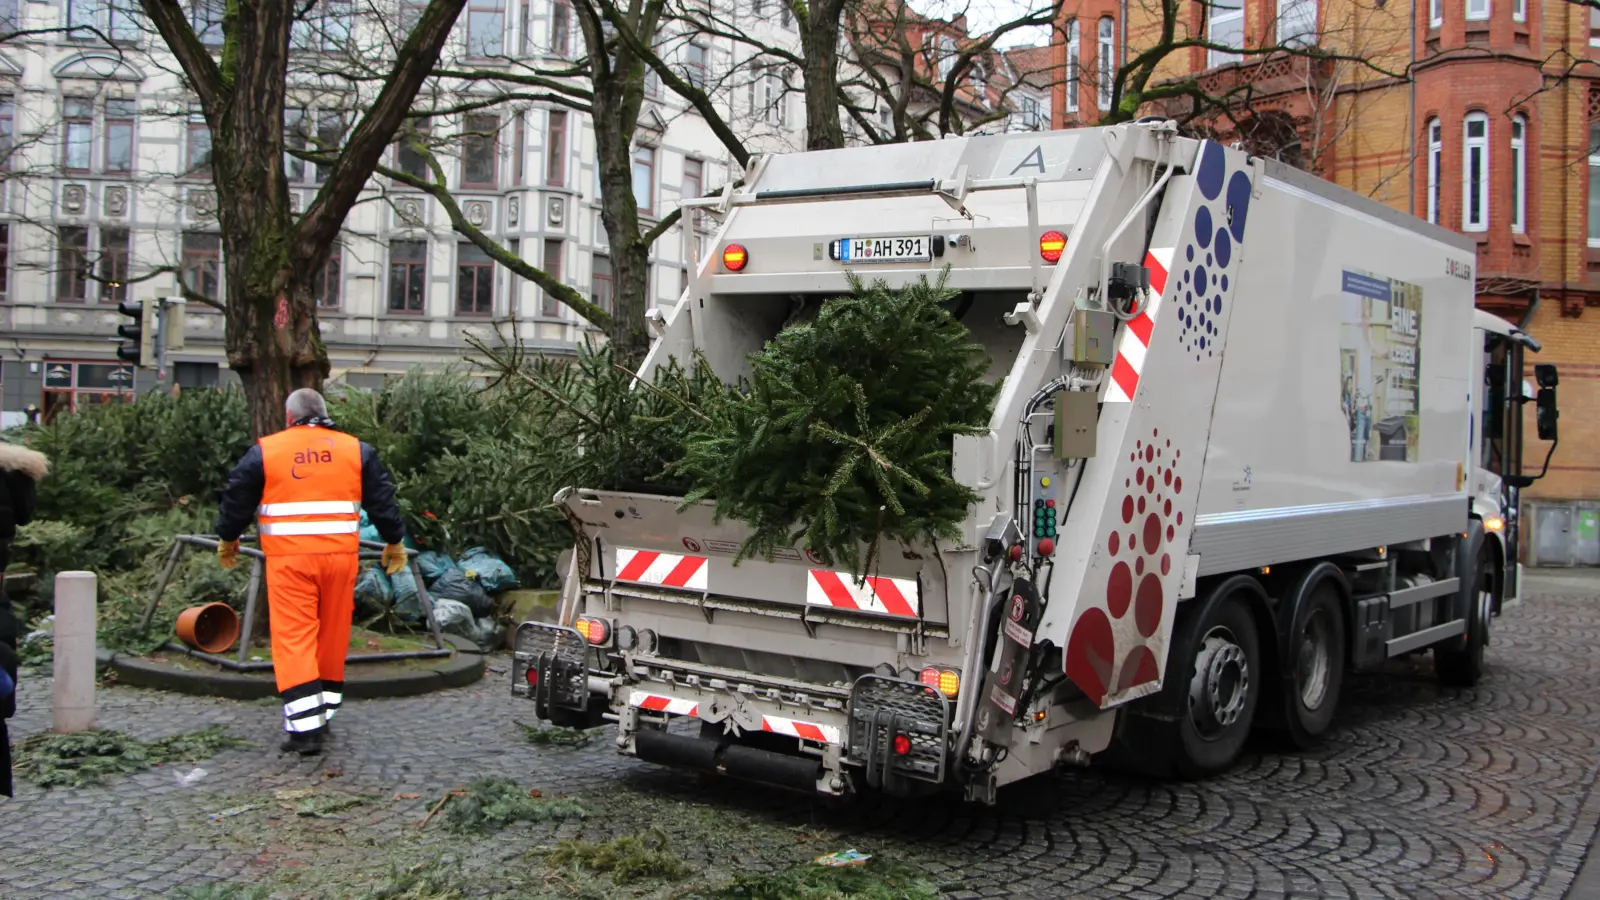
{"x":902,"y":745}
{"x":945,"y":681}
{"x":595,"y":631}
{"x":734,"y":257}
{"x":533,"y":676}
{"x":1051,"y":243}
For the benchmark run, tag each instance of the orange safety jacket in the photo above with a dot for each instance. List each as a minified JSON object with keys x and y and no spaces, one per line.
{"x":311,"y":499}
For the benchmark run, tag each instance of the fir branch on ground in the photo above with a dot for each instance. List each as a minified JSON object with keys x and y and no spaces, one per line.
{"x":490,"y":804}
{"x":431,"y":880}
{"x":844,"y":437}
{"x":86,"y":757}
{"x":557,"y":735}
{"x":216,"y":890}
{"x":879,"y":879}
{"x":628,"y":859}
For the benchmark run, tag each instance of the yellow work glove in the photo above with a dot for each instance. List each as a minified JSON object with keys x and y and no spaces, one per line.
{"x":394,"y":559}
{"x":228,"y":554}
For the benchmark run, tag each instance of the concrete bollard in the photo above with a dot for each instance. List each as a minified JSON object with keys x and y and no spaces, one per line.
{"x":74,"y":652}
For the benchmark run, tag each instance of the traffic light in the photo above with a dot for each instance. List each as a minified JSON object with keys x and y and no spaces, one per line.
{"x":142,"y":350}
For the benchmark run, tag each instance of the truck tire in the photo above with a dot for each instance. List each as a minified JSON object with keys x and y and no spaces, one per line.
{"x":1459,"y":661}
{"x":1198,"y":724}
{"x":1313,"y":664}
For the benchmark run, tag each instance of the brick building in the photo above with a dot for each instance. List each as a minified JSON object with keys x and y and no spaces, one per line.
{"x":1480,"y":115}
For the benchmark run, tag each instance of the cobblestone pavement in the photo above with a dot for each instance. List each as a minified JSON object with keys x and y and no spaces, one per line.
{"x":1419,"y":792}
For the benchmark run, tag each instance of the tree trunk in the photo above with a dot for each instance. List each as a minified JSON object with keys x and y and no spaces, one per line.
{"x":820,"y":46}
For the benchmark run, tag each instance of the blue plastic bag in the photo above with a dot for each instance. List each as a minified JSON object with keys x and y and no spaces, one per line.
{"x":369,"y":531}
{"x":406,"y":603}
{"x":433,"y":564}
{"x":374,"y":593}
{"x":490,"y":570}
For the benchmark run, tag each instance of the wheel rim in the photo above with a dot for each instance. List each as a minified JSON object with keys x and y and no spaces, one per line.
{"x":1220,"y":685}
{"x":1314,"y":661}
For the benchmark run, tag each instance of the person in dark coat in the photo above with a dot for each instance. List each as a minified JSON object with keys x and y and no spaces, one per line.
{"x":20,"y":471}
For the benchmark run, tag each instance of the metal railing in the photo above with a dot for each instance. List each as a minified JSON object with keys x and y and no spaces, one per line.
{"x":369,"y":550}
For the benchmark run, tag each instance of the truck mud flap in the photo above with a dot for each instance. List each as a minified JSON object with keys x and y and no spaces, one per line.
{"x":733,"y":760}
{"x":550,"y":666}
{"x":898,"y":731}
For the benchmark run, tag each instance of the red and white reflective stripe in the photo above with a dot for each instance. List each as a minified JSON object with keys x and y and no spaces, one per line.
{"x":656,"y":703}
{"x":665,"y":569}
{"x":1135,"y":342}
{"x":893,"y":596}
{"x":822,"y":734}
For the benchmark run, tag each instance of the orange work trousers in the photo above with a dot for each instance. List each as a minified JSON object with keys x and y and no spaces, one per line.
{"x":312,"y":602}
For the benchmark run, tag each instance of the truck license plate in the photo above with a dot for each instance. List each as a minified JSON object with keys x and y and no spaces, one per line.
{"x":909,"y":248}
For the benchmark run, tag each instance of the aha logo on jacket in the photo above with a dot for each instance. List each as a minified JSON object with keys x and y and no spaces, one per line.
{"x":310,"y":457}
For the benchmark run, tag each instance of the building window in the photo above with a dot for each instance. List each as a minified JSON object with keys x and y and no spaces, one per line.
{"x":410,"y":15}
{"x":206,"y":17}
{"x":1107,"y":55}
{"x":600,"y":283}
{"x":89,"y":19}
{"x":119,"y":135}
{"x":325,"y":289}
{"x":1226,"y":29}
{"x":77,"y":115}
{"x":113,"y":268}
{"x":330,"y":139}
{"x":561,"y":28}
{"x":694,"y":68}
{"x":71,"y":386}
{"x":555,"y":150}
{"x":5,"y":258}
{"x":519,"y":146}
{"x":766,"y":94}
{"x":1594,"y":185}
{"x":406,"y":156}
{"x":1435,"y":161}
{"x":1435,"y":13}
{"x":8,"y":111}
{"x":1477,"y":10}
{"x":1032,"y":117}
{"x":474,"y":280}
{"x":1519,"y":173}
{"x":1072,"y":66}
{"x":644,"y":179}
{"x":72,"y":264}
{"x":1594,"y":26}
{"x":1519,"y":10}
{"x":785,"y":14}
{"x":549,"y":306}
{"x":408,"y":276}
{"x":1475,"y":174}
{"x":486,"y":28}
{"x":9,"y":21}
{"x":694,"y":179}
{"x":1297,"y":23}
{"x":326,"y":26}
{"x":198,"y":148}
{"x":479,"y":146}
{"x":202,"y":263}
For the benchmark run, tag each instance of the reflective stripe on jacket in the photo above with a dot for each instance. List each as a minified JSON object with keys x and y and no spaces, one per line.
{"x":311,"y":498}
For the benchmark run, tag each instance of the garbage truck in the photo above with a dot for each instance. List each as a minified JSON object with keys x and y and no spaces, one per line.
{"x":1251,"y":436}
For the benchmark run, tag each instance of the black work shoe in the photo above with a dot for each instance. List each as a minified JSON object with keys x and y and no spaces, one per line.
{"x":305,"y":743}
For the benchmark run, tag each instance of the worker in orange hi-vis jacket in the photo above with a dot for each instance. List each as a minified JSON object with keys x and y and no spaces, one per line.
{"x":307,"y":485}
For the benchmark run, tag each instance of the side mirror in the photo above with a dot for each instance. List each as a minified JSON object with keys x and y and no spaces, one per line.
{"x":1545,"y":413}
{"x":1546,"y":375}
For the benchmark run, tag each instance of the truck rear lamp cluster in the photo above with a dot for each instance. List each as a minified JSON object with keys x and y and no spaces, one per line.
{"x":533,"y":676}
{"x":627,"y":638}
{"x":1051,"y":245}
{"x":902,"y":745}
{"x":596,"y":631}
{"x":734,"y":257}
{"x":945,"y":681}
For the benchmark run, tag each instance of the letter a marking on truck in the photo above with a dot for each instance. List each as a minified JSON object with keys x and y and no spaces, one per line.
{"x":1135,"y":341}
{"x":1034,"y":160}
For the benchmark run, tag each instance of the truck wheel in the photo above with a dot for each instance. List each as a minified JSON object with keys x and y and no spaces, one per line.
{"x":1222,"y":669}
{"x":1314,"y":665}
{"x":1459,"y":661}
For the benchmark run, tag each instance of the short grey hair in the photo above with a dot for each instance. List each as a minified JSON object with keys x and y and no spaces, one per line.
{"x":305,"y":403}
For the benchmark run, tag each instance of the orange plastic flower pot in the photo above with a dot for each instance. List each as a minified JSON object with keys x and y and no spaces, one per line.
{"x":210,"y":629}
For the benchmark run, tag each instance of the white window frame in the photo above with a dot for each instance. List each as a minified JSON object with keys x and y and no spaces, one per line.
{"x":1519,"y":174}
{"x":1105,"y":61}
{"x":1481,"y":13}
{"x":1594,"y":179}
{"x":1073,"y":58}
{"x":1519,"y":10}
{"x":1294,"y":27}
{"x":1469,"y":146}
{"x":1220,"y":14}
{"x":1594,"y":27}
{"x":1435,"y":163}
{"x":1435,"y":13}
